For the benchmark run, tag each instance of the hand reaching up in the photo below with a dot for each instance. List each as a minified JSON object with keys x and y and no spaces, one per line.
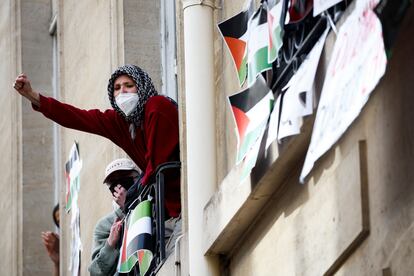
{"x":115,"y":233}
{"x":119,"y":195}
{"x":51,"y":242}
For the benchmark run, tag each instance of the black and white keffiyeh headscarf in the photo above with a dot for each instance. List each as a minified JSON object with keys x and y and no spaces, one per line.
{"x":145,"y":91}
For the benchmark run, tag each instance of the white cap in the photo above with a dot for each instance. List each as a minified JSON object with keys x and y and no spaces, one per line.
{"x":121,"y":164}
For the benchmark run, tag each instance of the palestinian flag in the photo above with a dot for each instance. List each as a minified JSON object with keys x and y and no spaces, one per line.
{"x":257,"y":45}
{"x":72,"y":171}
{"x":72,"y":190}
{"x":137,"y":243}
{"x":68,"y":192}
{"x":251,"y":110}
{"x":234,"y":32}
{"x":251,"y":158}
{"x":275,"y":29}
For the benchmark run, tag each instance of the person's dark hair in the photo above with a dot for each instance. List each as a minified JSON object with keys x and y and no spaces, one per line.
{"x":54,"y":215}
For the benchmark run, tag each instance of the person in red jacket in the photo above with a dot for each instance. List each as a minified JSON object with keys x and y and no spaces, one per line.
{"x":143,"y":123}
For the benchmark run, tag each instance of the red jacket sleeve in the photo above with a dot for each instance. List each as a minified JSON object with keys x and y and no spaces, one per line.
{"x":161,"y":134}
{"x":92,"y":121}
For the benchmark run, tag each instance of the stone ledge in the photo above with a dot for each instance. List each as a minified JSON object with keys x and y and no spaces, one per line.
{"x":230,"y":211}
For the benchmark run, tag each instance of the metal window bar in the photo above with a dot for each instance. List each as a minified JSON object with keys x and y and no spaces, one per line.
{"x":159,"y":215}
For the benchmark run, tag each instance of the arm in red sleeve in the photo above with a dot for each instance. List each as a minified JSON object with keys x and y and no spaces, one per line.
{"x":161,"y":133}
{"x":92,"y":121}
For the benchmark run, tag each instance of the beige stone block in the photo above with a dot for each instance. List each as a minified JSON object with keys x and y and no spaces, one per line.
{"x":402,"y":256}
{"x":142,"y":37}
{"x":314,"y":234}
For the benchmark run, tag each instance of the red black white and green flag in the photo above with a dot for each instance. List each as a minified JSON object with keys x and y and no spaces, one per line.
{"x":257,"y":45}
{"x":251,"y":110}
{"x":275,"y":24}
{"x":235,"y":34}
{"x":72,"y":171}
{"x":137,"y":245}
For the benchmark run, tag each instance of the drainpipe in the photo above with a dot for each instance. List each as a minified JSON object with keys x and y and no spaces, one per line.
{"x":200,"y":120}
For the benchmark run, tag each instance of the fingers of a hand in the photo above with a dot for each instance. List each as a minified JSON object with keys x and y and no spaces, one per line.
{"x":46,"y":234}
{"x":118,"y":224}
{"x":115,"y":229}
{"x":122,"y":190}
{"x":114,"y":226}
{"x":118,"y":188}
{"x":53,"y":240}
{"x":17,"y":85}
{"x":22,"y":79}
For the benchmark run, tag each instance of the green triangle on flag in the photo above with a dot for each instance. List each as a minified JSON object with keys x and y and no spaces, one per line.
{"x":251,"y":110}
{"x":274,"y":14}
{"x":257,"y":45}
{"x":137,"y":243}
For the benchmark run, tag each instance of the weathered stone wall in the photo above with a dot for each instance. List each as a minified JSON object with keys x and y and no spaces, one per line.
{"x":27,"y":182}
{"x":10,"y":141}
{"x":37,"y":135}
{"x":355,"y":214}
{"x":142,"y":37}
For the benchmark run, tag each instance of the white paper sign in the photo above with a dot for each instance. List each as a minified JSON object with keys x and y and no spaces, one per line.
{"x":363,"y":5}
{"x":298,"y":99}
{"x":289,"y":127}
{"x":76,"y":244}
{"x":273,"y":123}
{"x":358,"y":62}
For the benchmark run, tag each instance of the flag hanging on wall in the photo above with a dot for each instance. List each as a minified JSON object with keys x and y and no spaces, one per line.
{"x":275,"y":25}
{"x":234,"y":32}
{"x":251,"y":109}
{"x":72,"y":171}
{"x":257,"y":45}
{"x":137,"y":243}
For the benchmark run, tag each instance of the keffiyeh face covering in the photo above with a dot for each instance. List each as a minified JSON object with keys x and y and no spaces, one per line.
{"x":134,"y":115}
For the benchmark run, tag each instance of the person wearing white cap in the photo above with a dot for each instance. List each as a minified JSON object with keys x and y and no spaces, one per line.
{"x":120,"y":175}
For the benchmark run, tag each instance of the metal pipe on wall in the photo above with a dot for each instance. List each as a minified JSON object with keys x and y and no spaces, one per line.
{"x":200,"y":119}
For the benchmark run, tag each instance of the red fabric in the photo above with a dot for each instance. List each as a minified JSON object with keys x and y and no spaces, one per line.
{"x":155,"y":143}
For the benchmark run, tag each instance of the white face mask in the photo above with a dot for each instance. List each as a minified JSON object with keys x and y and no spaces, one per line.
{"x":127,"y":102}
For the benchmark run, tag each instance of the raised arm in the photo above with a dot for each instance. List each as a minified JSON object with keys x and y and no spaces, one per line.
{"x":22,"y":85}
{"x":107,"y":124}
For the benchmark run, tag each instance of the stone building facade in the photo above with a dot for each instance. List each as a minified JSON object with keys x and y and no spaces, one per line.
{"x":353,"y":215}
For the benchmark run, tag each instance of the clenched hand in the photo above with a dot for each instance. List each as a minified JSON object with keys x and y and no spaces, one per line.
{"x":22,"y":85}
